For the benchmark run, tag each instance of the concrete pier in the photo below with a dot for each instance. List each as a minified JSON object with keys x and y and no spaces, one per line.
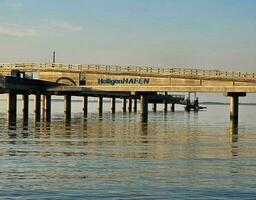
{"x":47,"y":107}
{"x":85,"y":105}
{"x":135,"y":104}
{"x":113,"y":104}
{"x":37,"y":107}
{"x":144,"y":105}
{"x":165,"y":107}
{"x":25,"y":100}
{"x":173,"y":107}
{"x":12,"y":107}
{"x":67,"y":106}
{"x":165,"y":103}
{"x":154,"y":107}
{"x":234,"y":103}
{"x":100,"y":104}
{"x":130,"y":104}
{"x":123,"y":82}
{"x":124,"y":104}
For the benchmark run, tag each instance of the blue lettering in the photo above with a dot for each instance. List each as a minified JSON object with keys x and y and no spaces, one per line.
{"x":123,"y":81}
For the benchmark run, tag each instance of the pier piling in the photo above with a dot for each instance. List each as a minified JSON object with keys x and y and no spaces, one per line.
{"x":130,"y":104}
{"x":154,"y":107}
{"x":124,"y":104}
{"x":173,"y":107}
{"x":135,"y":105}
{"x":234,"y":103}
{"x":67,"y":106}
{"x":100,"y":104}
{"x":25,"y":99}
{"x":165,"y":103}
{"x":85,"y":105}
{"x":12,"y":106}
{"x":37,"y":107}
{"x":165,"y":107}
{"x":113,"y":104}
{"x":144,"y":105}
{"x":47,"y":107}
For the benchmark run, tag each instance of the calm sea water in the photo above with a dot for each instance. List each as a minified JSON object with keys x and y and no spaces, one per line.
{"x":176,"y":155}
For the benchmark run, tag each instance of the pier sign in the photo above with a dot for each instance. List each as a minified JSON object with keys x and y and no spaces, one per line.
{"x":123,"y":81}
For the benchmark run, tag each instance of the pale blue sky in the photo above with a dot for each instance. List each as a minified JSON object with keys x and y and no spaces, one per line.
{"x":216,"y":34}
{"x":213,"y":34}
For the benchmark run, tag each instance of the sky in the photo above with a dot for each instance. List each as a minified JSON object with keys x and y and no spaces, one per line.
{"x":208,"y":34}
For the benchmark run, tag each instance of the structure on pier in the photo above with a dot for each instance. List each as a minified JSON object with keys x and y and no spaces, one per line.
{"x":112,"y":81}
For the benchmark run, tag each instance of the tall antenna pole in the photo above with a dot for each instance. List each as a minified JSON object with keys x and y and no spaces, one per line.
{"x":54,"y":56}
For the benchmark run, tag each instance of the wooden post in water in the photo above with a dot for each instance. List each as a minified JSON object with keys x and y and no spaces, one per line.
{"x":37,"y":107}
{"x":85,"y":105}
{"x":113,"y":104}
{"x":25,"y":98}
{"x":47,"y":107}
{"x":67,"y":106}
{"x":100,"y":105}
{"x":124,"y":104}
{"x":130,"y":104}
{"x":12,"y":107}
{"x":135,"y":104}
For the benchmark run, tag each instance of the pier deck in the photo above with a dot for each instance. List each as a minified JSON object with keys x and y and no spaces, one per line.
{"x":131,"y":82}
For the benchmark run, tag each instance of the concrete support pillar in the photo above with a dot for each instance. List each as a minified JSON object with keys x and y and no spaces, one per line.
{"x":234,"y":101}
{"x":85,"y":105}
{"x":47,"y":107}
{"x":173,"y":107}
{"x":12,"y":107}
{"x":135,"y":105}
{"x":124,"y":104}
{"x":165,"y":103}
{"x":67,"y":106}
{"x":100,"y":104}
{"x":113,"y":104}
{"x":154,"y":107}
{"x":144,"y":105}
{"x":130,"y":104}
{"x":165,"y":107}
{"x":37,"y":107}
{"x":25,"y":100}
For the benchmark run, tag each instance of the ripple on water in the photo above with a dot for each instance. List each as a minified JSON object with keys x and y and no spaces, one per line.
{"x":175,"y":155}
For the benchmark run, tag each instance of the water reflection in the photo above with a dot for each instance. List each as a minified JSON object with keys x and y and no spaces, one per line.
{"x":233,"y":132}
{"x":12,"y":125}
{"x":144,"y":118}
{"x":123,"y":153}
{"x":25,"y":128}
{"x":144,"y":128}
{"x":67,"y":123}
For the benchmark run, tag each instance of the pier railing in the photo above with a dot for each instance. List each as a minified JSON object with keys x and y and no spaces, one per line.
{"x":140,"y":70}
